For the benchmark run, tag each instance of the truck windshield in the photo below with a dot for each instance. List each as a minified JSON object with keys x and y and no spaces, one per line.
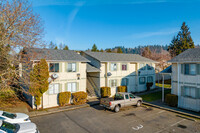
{"x":119,"y":97}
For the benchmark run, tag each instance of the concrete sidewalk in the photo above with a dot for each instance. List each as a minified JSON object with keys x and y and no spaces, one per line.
{"x":159,"y":104}
{"x":60,"y":109}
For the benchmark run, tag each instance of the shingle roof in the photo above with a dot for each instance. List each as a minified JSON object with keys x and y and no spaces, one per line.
{"x":54,"y":55}
{"x":111,"y":57}
{"x":168,"y":70}
{"x":91,"y":68}
{"x":190,"y":55}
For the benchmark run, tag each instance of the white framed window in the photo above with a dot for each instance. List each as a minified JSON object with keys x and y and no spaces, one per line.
{"x":54,"y":89}
{"x":190,"y":92}
{"x":53,"y":67}
{"x":113,"y":83}
{"x":72,"y":87}
{"x":113,"y":66}
{"x":142,"y":80}
{"x":150,"y":79}
{"x":71,"y":67}
{"x":190,"y":69}
{"x":124,"y":82}
{"x":124,"y":67}
{"x":142,"y":66}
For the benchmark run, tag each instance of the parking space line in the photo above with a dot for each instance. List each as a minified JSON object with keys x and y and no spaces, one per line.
{"x":170,"y":126}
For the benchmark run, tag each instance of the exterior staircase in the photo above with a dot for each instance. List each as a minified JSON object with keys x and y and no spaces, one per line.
{"x":92,"y":88}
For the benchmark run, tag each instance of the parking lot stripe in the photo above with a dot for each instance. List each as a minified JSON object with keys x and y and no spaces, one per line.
{"x":170,"y":126}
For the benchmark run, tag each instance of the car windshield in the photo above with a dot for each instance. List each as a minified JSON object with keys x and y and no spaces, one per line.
{"x":9,"y":128}
{"x":119,"y":97}
{"x":9,"y":115}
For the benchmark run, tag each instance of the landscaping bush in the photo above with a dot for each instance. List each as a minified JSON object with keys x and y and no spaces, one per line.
{"x":121,"y":89}
{"x":79,"y":97}
{"x":64,"y":98}
{"x":171,"y":100}
{"x":105,"y":91}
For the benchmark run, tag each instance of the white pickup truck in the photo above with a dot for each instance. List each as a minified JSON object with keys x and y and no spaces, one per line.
{"x":121,"y":99}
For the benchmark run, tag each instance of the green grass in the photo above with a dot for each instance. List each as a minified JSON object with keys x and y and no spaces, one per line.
{"x":154,"y":96}
{"x":165,"y":85}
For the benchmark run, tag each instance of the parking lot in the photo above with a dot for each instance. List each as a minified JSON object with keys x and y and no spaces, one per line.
{"x":130,"y":119}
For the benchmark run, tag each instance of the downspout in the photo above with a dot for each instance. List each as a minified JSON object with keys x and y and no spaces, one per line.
{"x":106,"y":72}
{"x":178,"y":79}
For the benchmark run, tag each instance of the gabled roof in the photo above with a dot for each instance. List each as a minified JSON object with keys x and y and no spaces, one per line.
{"x":168,"y":70}
{"x":116,"y":57}
{"x":188,"y":56}
{"x":36,"y":54}
{"x":91,"y":68}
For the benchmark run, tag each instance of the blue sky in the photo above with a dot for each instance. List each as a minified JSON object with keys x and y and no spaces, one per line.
{"x":109,"y":23}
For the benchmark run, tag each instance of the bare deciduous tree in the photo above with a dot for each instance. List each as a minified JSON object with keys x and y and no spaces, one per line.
{"x":20,"y":28}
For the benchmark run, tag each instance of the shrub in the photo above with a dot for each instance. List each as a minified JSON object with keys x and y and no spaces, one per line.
{"x":64,"y":98}
{"x":171,"y":100}
{"x":79,"y":97}
{"x":122,"y":89}
{"x":105,"y":91}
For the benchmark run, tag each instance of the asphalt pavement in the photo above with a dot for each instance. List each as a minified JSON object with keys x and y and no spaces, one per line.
{"x":131,"y":119}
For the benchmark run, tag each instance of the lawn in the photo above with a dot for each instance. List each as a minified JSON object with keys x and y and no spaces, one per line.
{"x":154,"y":96}
{"x":165,"y":85}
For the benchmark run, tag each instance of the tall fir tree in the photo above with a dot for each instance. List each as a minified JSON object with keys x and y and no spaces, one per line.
{"x":119,"y":50}
{"x":39,"y":81}
{"x":66,"y":47}
{"x":94,"y":48}
{"x":181,"y":42}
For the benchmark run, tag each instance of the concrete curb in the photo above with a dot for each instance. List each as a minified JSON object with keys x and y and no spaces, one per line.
{"x":171,"y":110}
{"x":35,"y":114}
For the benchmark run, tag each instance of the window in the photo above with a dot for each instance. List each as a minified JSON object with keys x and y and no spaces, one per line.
{"x":54,"y":67}
{"x":149,"y":79}
{"x":126,"y":96}
{"x":124,"y":82}
{"x":113,"y":67}
{"x":72,"y":87}
{"x":124,"y":67}
{"x":142,"y":66}
{"x":113,"y":83}
{"x":149,"y":66}
{"x":190,"y":92}
{"x":190,"y":69}
{"x":131,"y":96}
{"x":71,"y":67}
{"x":142,"y":80}
{"x":198,"y":69}
{"x":9,"y":115}
{"x":54,"y":89}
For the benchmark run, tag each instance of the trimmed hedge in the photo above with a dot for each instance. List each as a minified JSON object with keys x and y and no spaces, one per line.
{"x":64,"y":98}
{"x":171,"y":100}
{"x":79,"y":97}
{"x":105,"y":91}
{"x":121,"y":89}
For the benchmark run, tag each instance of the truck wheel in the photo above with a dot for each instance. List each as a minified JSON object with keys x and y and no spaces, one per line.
{"x":117,"y":108}
{"x":138,"y":104}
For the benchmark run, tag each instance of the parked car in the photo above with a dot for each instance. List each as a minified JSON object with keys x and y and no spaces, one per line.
{"x":120,"y":100}
{"x":14,"y":117}
{"x":29,"y":127}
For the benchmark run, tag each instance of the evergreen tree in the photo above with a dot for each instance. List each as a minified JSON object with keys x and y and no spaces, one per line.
{"x":119,"y":50}
{"x":94,"y":48}
{"x":181,"y":42}
{"x":109,"y":50}
{"x":101,"y":50}
{"x":39,"y":80}
{"x":51,"y":45}
{"x":56,"y":47}
{"x":66,"y":47}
